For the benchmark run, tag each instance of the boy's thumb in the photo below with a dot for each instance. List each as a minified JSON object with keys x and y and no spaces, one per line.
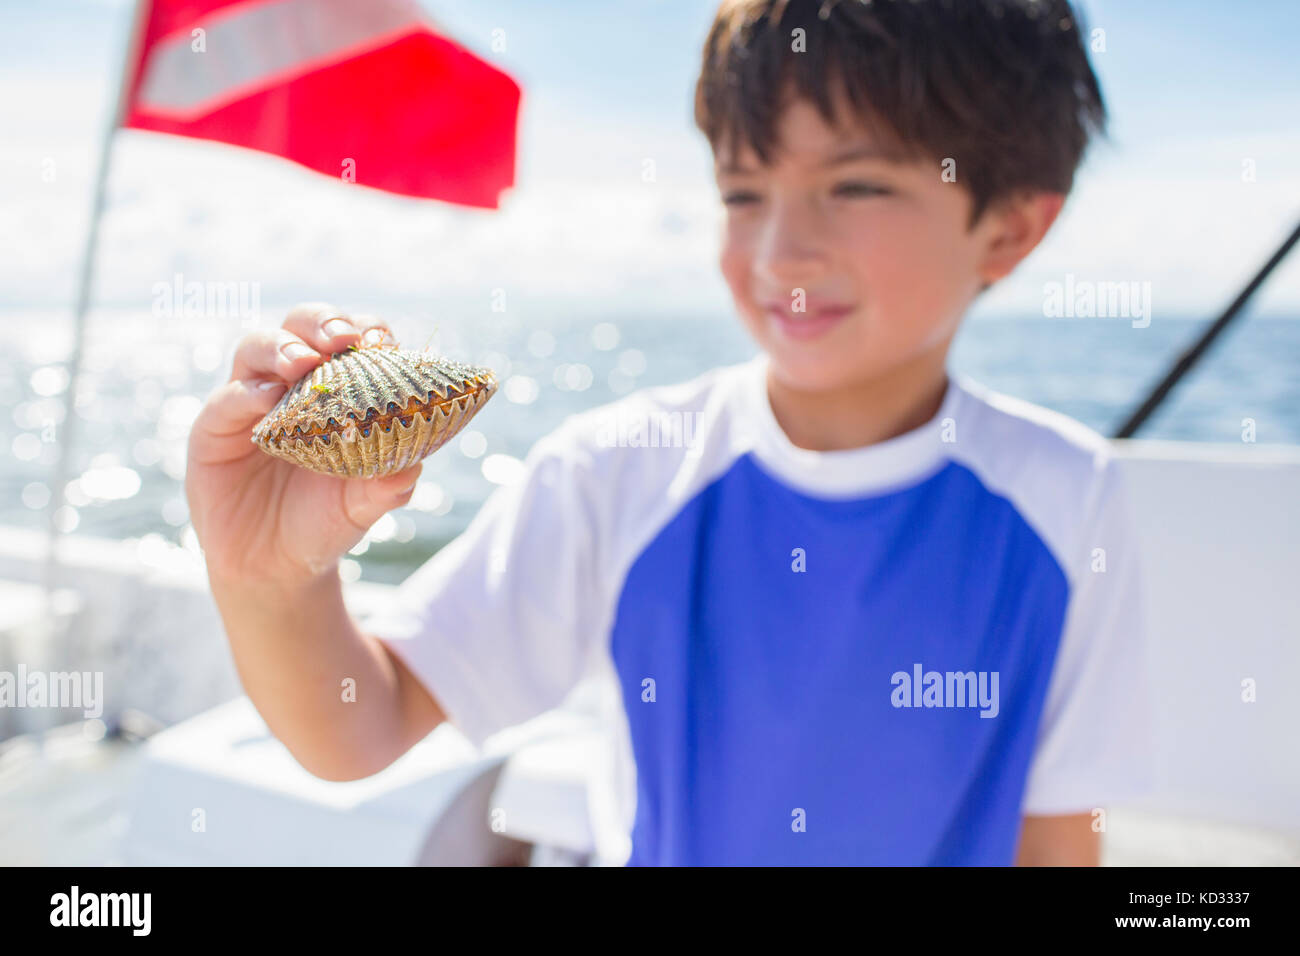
{"x":375,"y":497}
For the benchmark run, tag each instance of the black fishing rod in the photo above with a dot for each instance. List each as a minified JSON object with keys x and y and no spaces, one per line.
{"x":1192,"y":355}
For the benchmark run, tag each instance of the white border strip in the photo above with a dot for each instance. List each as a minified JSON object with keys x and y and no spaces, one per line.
{"x":250,"y":46}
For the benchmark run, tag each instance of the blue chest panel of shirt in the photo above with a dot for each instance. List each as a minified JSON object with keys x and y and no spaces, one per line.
{"x":773,"y":735}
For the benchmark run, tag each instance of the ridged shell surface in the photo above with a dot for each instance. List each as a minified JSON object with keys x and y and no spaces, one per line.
{"x":373,"y":411}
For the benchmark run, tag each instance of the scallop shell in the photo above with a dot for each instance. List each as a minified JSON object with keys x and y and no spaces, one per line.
{"x":373,"y":411}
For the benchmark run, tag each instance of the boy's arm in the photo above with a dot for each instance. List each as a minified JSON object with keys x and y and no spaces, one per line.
{"x":1097,"y":736}
{"x":294,"y":650}
{"x":496,"y":627}
{"x":1065,"y":840}
{"x":272,"y":534}
{"x":504,"y":621}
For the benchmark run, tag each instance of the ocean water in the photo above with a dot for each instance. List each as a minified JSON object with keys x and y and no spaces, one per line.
{"x":145,"y":378}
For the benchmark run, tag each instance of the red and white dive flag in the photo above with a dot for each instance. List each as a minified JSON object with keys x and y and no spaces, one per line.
{"x":356,"y":89}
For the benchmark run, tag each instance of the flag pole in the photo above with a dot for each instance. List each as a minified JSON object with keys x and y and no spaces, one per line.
{"x":63,"y":447}
{"x":1192,"y":355}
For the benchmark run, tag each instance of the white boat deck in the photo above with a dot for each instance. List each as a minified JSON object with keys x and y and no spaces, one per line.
{"x":63,"y":798}
{"x":64,"y":801}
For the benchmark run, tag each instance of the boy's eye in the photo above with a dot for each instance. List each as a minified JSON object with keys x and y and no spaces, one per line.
{"x":850,"y":189}
{"x":856,"y":189}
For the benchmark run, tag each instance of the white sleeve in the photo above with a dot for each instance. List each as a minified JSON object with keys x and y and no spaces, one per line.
{"x":1096,"y":738}
{"x":501,"y":623}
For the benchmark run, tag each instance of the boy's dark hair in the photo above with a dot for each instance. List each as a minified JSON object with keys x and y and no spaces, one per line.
{"x":1003,"y":87}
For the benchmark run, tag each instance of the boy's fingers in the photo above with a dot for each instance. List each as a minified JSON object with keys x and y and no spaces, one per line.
{"x":222,"y":429}
{"x":374,"y":330}
{"x":273,"y":354}
{"x":329,"y":330}
{"x":304,"y":315}
{"x":366,"y":500}
{"x":323,"y":327}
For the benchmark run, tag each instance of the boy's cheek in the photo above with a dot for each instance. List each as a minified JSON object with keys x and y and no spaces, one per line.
{"x":734,"y":264}
{"x":893,"y":264}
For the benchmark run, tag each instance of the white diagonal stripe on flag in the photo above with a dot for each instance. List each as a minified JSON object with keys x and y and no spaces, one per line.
{"x":255,"y":44}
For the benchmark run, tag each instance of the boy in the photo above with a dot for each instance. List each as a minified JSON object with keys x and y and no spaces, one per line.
{"x":870,"y":612}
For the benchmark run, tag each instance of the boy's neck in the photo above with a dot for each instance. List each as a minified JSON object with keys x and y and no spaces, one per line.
{"x":863,"y":413}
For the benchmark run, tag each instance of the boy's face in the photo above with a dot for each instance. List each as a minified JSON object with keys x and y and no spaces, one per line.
{"x":846,"y":266}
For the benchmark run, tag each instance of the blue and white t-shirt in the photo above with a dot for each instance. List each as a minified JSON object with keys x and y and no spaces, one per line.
{"x":882,"y":655}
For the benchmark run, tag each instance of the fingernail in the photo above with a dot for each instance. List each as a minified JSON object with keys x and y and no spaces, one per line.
{"x":267,"y":386}
{"x":296,"y":350}
{"x":372,"y":337}
{"x":339,"y":327}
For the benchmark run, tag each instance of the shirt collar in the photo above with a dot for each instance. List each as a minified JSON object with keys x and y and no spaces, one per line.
{"x":843,"y":473}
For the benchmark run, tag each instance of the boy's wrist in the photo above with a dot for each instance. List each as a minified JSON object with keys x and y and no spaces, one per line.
{"x":290,"y":585}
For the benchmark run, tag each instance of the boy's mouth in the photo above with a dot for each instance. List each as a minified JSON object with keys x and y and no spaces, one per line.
{"x":803,"y":326}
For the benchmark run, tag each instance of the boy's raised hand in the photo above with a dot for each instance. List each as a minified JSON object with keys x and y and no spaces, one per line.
{"x":259,"y":518}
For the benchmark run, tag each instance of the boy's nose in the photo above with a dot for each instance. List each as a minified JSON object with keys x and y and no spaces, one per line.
{"x":790,"y":247}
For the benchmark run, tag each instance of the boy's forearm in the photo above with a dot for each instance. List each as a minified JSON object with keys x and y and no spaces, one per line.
{"x":1064,"y":840}
{"x":294,"y":647}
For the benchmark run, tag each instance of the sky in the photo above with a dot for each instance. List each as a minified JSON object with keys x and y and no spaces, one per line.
{"x":1193,"y":87}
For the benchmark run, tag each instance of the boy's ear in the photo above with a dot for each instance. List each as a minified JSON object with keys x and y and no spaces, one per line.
{"x":1016,"y":226}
